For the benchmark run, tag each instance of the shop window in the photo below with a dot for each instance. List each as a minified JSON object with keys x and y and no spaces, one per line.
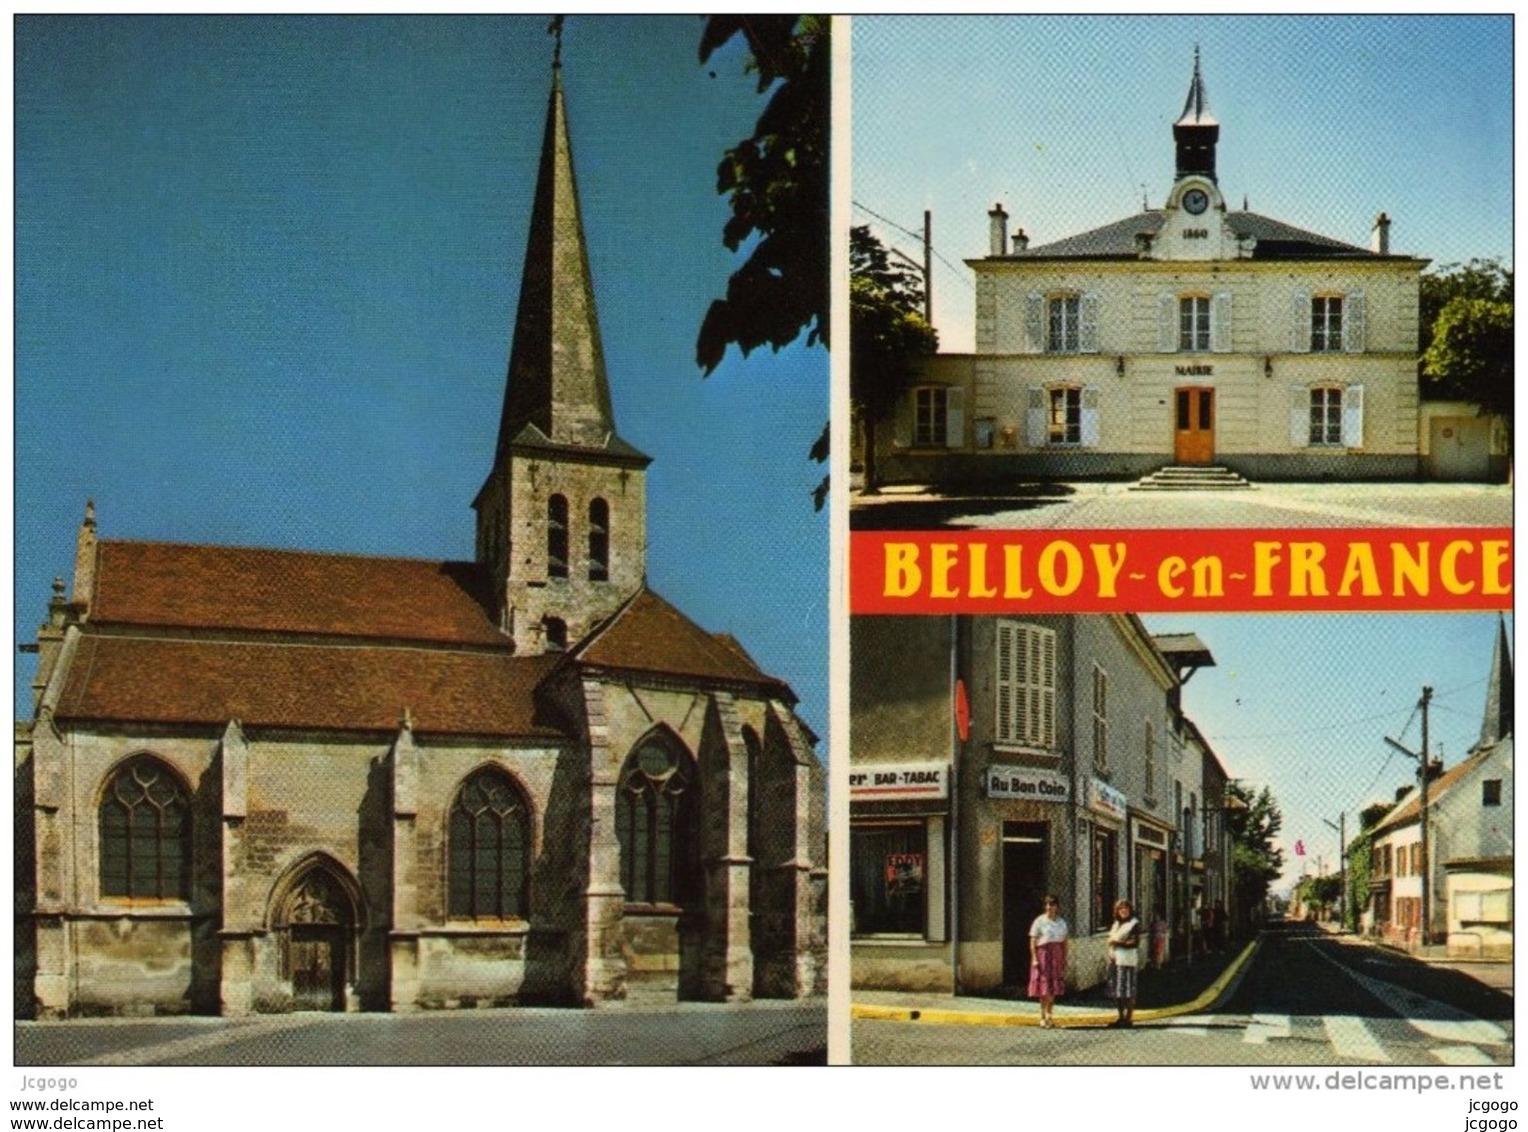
{"x":145,"y":833}
{"x":1492,"y":907}
{"x":888,"y":881}
{"x":489,"y":837}
{"x":1026,"y":685}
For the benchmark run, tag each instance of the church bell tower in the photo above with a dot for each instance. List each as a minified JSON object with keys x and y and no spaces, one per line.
{"x":561,"y":519}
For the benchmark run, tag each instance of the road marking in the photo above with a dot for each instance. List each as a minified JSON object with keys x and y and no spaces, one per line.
{"x":1265,"y":1026}
{"x":1195,"y":1025}
{"x":1351,"y":1037}
{"x":1435,"y":1019}
{"x":196,"y":1043}
{"x":1461,"y":1055}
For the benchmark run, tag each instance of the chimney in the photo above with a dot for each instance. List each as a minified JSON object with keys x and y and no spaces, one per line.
{"x":998,"y":242}
{"x":1021,"y":241}
{"x":1380,"y":243}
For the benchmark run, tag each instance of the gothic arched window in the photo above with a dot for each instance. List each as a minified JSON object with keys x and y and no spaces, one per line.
{"x":599,"y":541}
{"x":557,"y":537}
{"x":654,"y":822}
{"x":145,"y":833}
{"x":488,"y":873}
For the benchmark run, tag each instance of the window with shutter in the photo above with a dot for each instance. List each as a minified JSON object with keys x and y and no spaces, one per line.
{"x":1353,"y":332}
{"x":1062,"y":325}
{"x":1325,"y":416}
{"x":1194,"y":323}
{"x":1220,"y":323}
{"x":930,"y":416}
{"x":1026,"y":684}
{"x":1326,"y":323}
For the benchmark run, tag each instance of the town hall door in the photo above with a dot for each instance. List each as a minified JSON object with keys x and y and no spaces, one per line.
{"x":1023,"y":894}
{"x":1194,"y":425}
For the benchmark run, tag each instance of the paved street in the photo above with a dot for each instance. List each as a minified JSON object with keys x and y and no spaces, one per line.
{"x":1306,"y":998}
{"x":1112,"y":505}
{"x":762,"y":1033}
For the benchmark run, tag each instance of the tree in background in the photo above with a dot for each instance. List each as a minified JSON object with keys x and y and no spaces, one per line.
{"x":1361,"y":863}
{"x":1256,"y":861}
{"x":776,"y":181}
{"x":887,"y":332}
{"x":1466,"y":335}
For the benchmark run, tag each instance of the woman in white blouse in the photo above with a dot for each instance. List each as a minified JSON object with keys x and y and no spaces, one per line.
{"x":1047,"y":959}
{"x":1124,"y":960}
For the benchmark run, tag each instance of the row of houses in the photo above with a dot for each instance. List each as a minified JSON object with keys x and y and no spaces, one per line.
{"x":995,"y":760}
{"x":1466,"y":860}
{"x":1191,"y":335}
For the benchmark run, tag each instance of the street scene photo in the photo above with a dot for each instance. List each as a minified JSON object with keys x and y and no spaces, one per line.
{"x":1172,"y":840}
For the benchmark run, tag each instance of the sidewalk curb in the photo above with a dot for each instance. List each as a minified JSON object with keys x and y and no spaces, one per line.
{"x":944,"y":1017}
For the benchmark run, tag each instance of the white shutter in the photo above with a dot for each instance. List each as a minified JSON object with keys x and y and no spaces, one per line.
{"x":1167,"y":323}
{"x":1089,"y":416}
{"x":1220,"y":323}
{"x":1045,"y":733}
{"x":1035,"y":430}
{"x":1087,"y":322}
{"x":1034,"y":322}
{"x":954,"y":417}
{"x":1299,"y":327}
{"x":1299,"y":416}
{"x":1353,"y":319}
{"x":1006,"y":632}
{"x":1353,"y":416}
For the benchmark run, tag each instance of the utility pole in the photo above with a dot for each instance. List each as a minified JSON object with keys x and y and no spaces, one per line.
{"x":1342,"y":861}
{"x":928,"y":267}
{"x":1422,"y":768}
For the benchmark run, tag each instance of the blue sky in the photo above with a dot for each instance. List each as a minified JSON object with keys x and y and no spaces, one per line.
{"x":266,"y":269}
{"x":1302,"y":703}
{"x":1067,"y":120}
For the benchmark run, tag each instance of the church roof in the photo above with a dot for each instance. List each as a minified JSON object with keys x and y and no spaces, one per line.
{"x":647,"y":634}
{"x":1497,"y":721}
{"x":1275,"y":240}
{"x":177,"y":586}
{"x":343,"y":687}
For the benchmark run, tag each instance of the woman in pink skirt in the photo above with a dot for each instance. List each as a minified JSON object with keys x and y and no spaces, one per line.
{"x":1047,"y":959}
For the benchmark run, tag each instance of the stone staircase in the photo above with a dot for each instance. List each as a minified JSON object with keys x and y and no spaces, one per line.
{"x":1191,"y":478}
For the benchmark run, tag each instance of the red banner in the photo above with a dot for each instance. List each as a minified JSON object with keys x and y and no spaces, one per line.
{"x":1181,"y":571}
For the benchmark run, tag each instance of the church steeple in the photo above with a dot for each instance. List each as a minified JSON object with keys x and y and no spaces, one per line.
{"x":1196,"y":131}
{"x":562,"y":517}
{"x":557,"y":385}
{"x":1498,"y":715}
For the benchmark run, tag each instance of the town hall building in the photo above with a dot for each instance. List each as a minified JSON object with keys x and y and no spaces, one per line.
{"x":270,"y":780}
{"x":1196,"y":335}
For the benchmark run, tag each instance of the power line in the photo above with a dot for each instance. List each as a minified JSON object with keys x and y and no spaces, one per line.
{"x":957,"y":268}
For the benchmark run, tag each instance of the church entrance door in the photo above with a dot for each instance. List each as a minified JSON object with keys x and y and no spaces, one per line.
{"x":1194,"y":425}
{"x":318,"y":967}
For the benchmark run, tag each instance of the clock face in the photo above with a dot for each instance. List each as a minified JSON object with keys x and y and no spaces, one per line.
{"x":1196,"y":201}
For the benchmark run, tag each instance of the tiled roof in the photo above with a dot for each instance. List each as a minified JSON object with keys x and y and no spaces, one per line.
{"x":285,"y":591}
{"x":1409,"y":810}
{"x":339,"y":687}
{"x":1275,"y":240}
{"x":649,"y":635}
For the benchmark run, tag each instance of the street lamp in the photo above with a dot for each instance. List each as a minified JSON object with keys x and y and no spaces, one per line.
{"x":1422,"y":801}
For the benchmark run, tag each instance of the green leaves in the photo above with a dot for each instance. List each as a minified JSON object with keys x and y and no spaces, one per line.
{"x":776,"y":181}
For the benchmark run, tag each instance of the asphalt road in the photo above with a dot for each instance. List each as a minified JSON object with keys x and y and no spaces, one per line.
{"x":1112,"y":505}
{"x":1306,"y":999}
{"x":763,"y":1033}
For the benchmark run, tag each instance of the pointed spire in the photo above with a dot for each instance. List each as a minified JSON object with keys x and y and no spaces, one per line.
{"x":1497,"y":723}
{"x":556,"y":383}
{"x":1196,"y":131}
{"x":1196,"y":108}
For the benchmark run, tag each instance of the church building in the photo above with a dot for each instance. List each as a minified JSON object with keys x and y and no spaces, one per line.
{"x":271,"y":780}
{"x":1192,"y":336}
